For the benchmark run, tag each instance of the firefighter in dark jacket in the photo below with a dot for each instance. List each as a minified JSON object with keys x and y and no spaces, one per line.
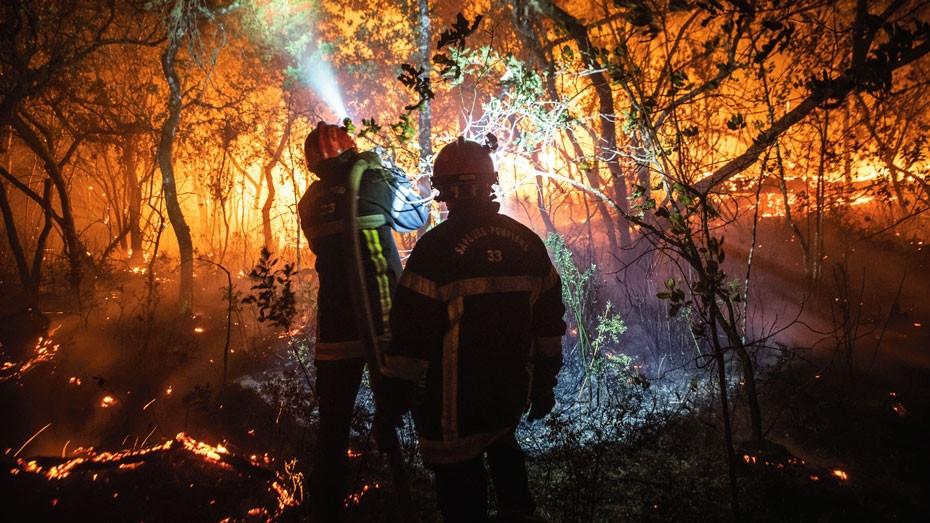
{"x":386,"y":201}
{"x":477,"y":327}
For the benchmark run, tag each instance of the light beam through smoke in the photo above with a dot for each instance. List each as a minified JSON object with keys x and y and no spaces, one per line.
{"x":318,"y":74}
{"x":290,"y":26}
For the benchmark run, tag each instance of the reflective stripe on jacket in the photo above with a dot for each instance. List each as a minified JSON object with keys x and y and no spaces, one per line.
{"x":477,"y":312}
{"x":322,"y":213}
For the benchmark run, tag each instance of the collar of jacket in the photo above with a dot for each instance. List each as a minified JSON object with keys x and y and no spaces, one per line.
{"x":474,"y":210}
{"x":332,"y":169}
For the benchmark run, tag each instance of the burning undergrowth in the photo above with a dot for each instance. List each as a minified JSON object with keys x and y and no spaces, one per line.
{"x":635,"y":433}
{"x":180,"y":479}
{"x":44,"y":350}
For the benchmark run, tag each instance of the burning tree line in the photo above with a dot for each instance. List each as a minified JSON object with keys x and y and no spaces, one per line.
{"x":638,"y":130}
{"x":121,"y":118}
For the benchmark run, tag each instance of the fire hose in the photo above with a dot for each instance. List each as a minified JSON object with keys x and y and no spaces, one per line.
{"x":369,"y":339}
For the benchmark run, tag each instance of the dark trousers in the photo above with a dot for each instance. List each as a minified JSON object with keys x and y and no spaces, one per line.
{"x":462,"y":488}
{"x":337,"y":385}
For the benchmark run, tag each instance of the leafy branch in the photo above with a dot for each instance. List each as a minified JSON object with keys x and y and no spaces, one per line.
{"x":271,"y":291}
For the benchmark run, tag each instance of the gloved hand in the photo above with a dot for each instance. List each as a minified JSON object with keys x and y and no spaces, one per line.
{"x":541,"y":404}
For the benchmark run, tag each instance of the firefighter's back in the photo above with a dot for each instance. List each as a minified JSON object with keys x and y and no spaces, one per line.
{"x":487,"y":269}
{"x":322,"y":213}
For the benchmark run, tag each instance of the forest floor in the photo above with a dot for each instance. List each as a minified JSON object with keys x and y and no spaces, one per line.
{"x":849,"y":441}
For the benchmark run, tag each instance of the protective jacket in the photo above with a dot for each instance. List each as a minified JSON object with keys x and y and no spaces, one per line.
{"x":477,"y":322}
{"x":386,"y":201}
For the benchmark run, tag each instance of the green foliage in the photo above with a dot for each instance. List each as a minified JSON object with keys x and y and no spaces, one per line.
{"x":674,"y":295}
{"x":271,"y":291}
{"x":596,"y":330}
{"x":578,"y":287}
{"x":404,"y":128}
{"x":348,"y":125}
{"x":607,"y":329}
{"x":515,"y":98}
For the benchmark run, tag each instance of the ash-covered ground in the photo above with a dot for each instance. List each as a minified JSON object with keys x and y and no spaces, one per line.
{"x":106,"y":403}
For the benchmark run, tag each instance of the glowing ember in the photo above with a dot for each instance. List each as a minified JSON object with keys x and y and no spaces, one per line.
{"x":107,"y":401}
{"x":198,"y":330}
{"x":899,"y":409}
{"x":353,"y":453}
{"x":294,"y":495}
{"x":356,"y":497}
{"x":841,"y":474}
{"x":28,"y":441}
{"x":290,"y":333}
{"x":288,"y":485}
{"x":169,"y":390}
{"x":64,"y":469}
{"x":210,"y":452}
{"x":45,"y":350}
{"x":74,"y":380}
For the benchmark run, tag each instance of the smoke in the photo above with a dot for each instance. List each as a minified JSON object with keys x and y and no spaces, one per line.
{"x":290,"y":26}
{"x":317,"y":73}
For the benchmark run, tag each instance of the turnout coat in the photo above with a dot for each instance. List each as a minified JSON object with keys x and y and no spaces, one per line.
{"x":386,"y":201}
{"x":477,"y":323}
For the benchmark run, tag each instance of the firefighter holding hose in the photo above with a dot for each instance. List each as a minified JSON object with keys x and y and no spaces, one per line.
{"x":477,"y":327}
{"x":386,"y":201}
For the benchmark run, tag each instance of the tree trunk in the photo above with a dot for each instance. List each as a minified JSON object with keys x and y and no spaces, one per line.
{"x":269,"y":181}
{"x":752,"y":394}
{"x":169,"y":185}
{"x":727,"y":423}
{"x":31,"y":279}
{"x":605,"y":98}
{"x":543,"y":208}
{"x":530,"y":37}
{"x":39,"y":255}
{"x":134,"y":190}
{"x":267,"y":235}
{"x":9,"y":223}
{"x":22,"y":268}
{"x":76,"y":253}
{"x":424,"y":118}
